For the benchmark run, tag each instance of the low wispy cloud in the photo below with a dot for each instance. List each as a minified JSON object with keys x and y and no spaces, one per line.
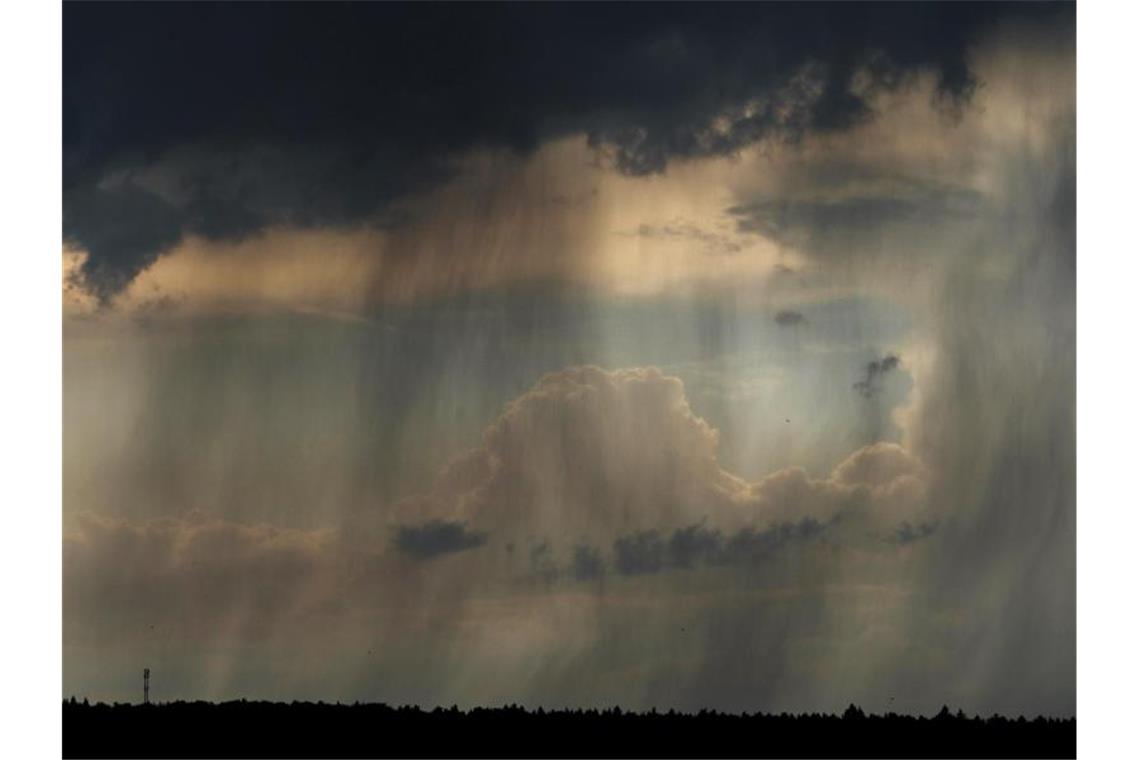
{"x":709,"y":241}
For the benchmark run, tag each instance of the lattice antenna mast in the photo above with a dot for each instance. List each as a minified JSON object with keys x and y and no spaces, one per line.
{"x":146,"y":686}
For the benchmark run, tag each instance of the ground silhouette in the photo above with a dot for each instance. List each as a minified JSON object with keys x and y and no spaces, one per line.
{"x":306,"y":729}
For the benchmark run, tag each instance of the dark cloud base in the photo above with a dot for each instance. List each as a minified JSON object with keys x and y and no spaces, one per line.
{"x":223,"y":119}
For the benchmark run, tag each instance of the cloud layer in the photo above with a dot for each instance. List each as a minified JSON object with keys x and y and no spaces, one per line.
{"x":591,"y":477}
{"x":204,"y":140}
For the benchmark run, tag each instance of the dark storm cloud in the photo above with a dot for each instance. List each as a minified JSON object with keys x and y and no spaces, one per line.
{"x":123,"y":230}
{"x":224,"y":119}
{"x":871,"y":384}
{"x":435,"y":538}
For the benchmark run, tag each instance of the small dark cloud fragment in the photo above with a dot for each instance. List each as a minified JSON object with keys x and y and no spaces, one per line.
{"x":542,"y":562}
{"x":436,"y":538}
{"x":789,"y":318}
{"x":906,"y":533}
{"x":639,"y":553}
{"x":749,"y":546}
{"x":587,"y":563}
{"x":696,"y":546}
{"x":871,"y":384}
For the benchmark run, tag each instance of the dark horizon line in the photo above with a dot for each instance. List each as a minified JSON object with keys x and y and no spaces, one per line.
{"x":852,"y":711}
{"x":307,"y":729}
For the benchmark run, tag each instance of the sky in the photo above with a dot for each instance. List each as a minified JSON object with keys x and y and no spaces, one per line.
{"x":673,"y":356}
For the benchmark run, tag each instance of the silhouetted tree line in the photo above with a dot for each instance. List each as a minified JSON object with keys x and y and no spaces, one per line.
{"x":306,"y":729}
